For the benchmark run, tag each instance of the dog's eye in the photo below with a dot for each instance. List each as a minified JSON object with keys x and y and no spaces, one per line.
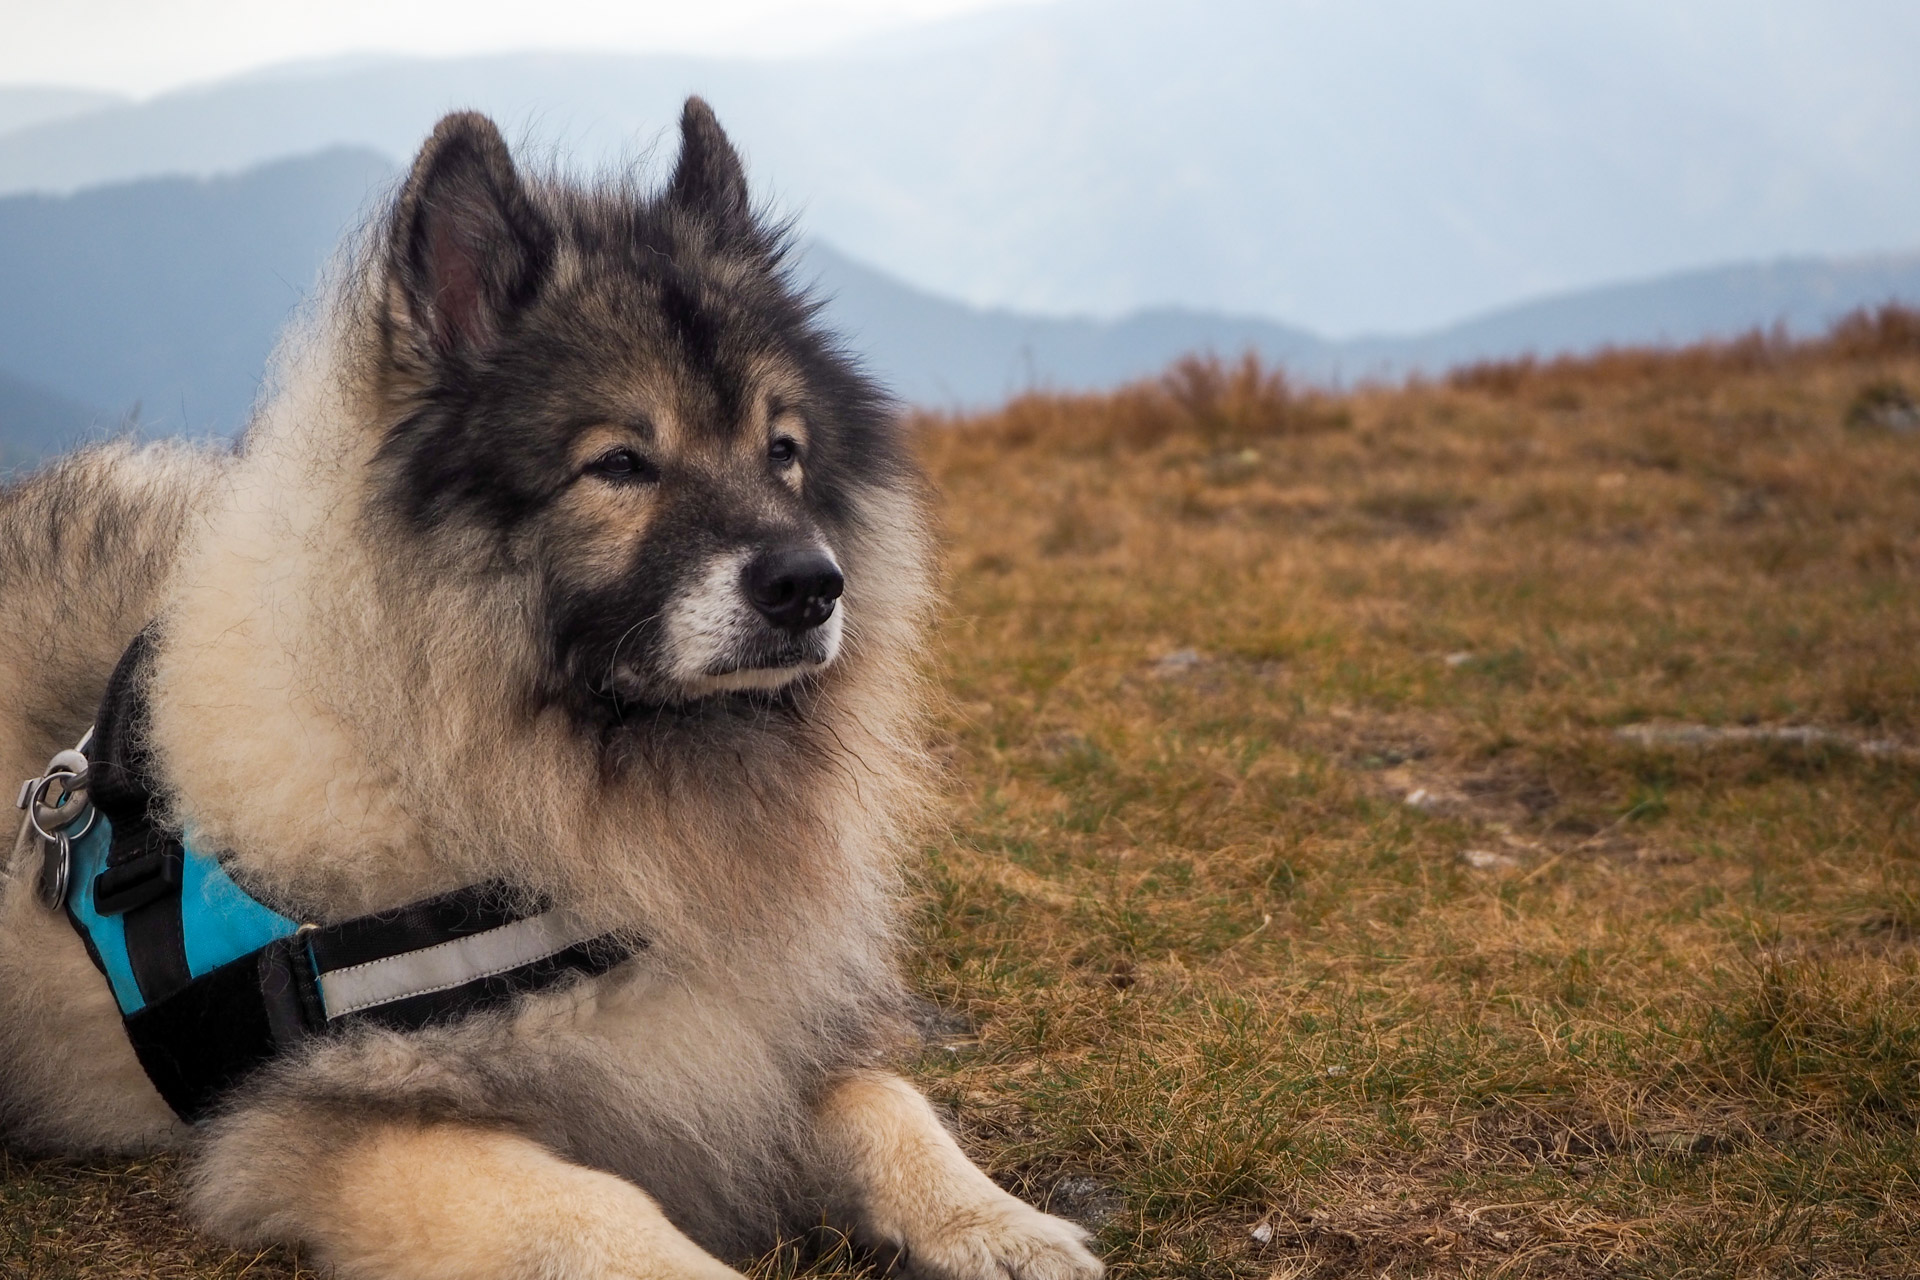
{"x":623,"y":464}
{"x":784,"y":451}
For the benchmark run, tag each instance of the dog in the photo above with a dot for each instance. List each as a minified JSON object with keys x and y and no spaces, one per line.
{"x":567,"y":551}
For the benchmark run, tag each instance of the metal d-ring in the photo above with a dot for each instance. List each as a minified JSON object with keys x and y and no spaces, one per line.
{"x":37,"y":800}
{"x":56,"y":856}
{"x":68,"y":768}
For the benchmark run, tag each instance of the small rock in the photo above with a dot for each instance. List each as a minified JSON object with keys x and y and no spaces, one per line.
{"x":1899,"y":417}
{"x":1686,"y":1142}
{"x":1087,"y":1201}
{"x":1335,"y":1070}
{"x":948,"y":1028}
{"x":1177,"y":663}
{"x":1751,"y":505}
{"x":1459,"y":659}
{"x":1487,"y":860}
{"x":1884,"y":406}
{"x":1262,"y":1233}
{"x":1422,"y":799}
{"x":1059,"y":746}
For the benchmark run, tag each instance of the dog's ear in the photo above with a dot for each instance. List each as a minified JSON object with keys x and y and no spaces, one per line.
{"x":709,"y":181}
{"x":468,"y":247}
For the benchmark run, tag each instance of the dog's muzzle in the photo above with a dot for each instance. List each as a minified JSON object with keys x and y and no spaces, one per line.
{"x":756,"y":618}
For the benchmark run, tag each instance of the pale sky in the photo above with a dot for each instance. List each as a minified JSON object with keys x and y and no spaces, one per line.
{"x":142,"y":47}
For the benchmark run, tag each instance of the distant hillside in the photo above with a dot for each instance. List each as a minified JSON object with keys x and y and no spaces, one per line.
{"x":938,"y":352}
{"x":26,"y":105}
{"x":35,"y":421}
{"x":1804,"y":294}
{"x":168,"y":294}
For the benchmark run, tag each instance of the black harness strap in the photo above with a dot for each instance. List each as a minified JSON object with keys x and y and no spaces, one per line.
{"x":418,"y":924}
{"x":197,"y":1037}
{"x":142,"y":880}
{"x":208,"y":1036}
{"x":157,"y":946}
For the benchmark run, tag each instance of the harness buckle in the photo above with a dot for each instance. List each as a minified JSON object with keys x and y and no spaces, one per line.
{"x":148,"y":876}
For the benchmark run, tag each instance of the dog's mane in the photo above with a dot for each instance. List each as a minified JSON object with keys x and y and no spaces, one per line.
{"x":347,"y":716}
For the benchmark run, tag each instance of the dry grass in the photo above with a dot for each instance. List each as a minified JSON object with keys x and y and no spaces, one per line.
{"x":67,"y":1220}
{"x":1594,"y":1005}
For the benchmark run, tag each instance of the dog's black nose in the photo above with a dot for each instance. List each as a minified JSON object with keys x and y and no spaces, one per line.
{"x":795,"y":588}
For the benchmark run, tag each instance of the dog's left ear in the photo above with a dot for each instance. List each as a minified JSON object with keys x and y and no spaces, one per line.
{"x":468,"y":247}
{"x":709,"y":182}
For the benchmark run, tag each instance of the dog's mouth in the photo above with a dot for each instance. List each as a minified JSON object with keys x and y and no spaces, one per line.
{"x":743,"y":686}
{"x":760,"y":662}
{"x":791,"y":662}
{"x":764,"y":671}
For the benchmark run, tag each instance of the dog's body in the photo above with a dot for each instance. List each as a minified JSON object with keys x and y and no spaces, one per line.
{"x":527,"y":571}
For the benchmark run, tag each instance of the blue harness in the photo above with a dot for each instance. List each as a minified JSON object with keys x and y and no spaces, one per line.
{"x":211,"y":982}
{"x":219,"y":921}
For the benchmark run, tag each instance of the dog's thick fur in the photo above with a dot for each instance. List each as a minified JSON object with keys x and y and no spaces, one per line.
{"x":463,"y":606}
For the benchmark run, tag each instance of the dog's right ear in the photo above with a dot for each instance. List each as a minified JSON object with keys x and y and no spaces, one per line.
{"x":467,"y":248}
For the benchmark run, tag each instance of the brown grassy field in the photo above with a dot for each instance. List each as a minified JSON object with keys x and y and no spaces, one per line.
{"x":1315,"y":899}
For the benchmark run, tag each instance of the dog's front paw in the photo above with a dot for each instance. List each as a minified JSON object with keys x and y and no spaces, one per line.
{"x":998,"y":1239}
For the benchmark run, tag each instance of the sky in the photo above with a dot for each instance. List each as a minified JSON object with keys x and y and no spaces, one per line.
{"x":1345,"y":165}
{"x":143,"y":47}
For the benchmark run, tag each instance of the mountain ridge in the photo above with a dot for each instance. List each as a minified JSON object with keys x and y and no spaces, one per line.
{"x":987,"y":355}
{"x":35,"y":422}
{"x":169,"y":294}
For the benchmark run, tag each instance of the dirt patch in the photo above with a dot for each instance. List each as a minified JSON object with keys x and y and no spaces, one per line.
{"x":1508,"y":796}
{"x":1368,"y":1236}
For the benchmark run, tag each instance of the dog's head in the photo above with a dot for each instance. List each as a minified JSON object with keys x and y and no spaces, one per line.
{"x":622,"y":402}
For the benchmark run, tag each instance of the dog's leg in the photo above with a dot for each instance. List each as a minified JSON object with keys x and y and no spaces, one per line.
{"x":436,"y":1201}
{"x":912,"y":1190}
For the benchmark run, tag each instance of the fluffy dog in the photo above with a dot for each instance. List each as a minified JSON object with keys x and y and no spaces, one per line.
{"x":566,"y":551}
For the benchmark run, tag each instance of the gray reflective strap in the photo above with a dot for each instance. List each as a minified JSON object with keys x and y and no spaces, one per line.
{"x":450,"y":964}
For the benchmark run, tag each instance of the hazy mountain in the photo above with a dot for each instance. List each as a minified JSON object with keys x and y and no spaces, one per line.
{"x":941,"y":353}
{"x":1380,"y":165}
{"x":1806,"y":295}
{"x":167,"y":294}
{"x":22,"y":106}
{"x":35,"y":421}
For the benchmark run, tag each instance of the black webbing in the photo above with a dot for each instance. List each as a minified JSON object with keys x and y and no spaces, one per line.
{"x":142,"y":880}
{"x":206,"y":1037}
{"x":118,"y":766}
{"x":458,"y":914}
{"x":157,"y":947}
